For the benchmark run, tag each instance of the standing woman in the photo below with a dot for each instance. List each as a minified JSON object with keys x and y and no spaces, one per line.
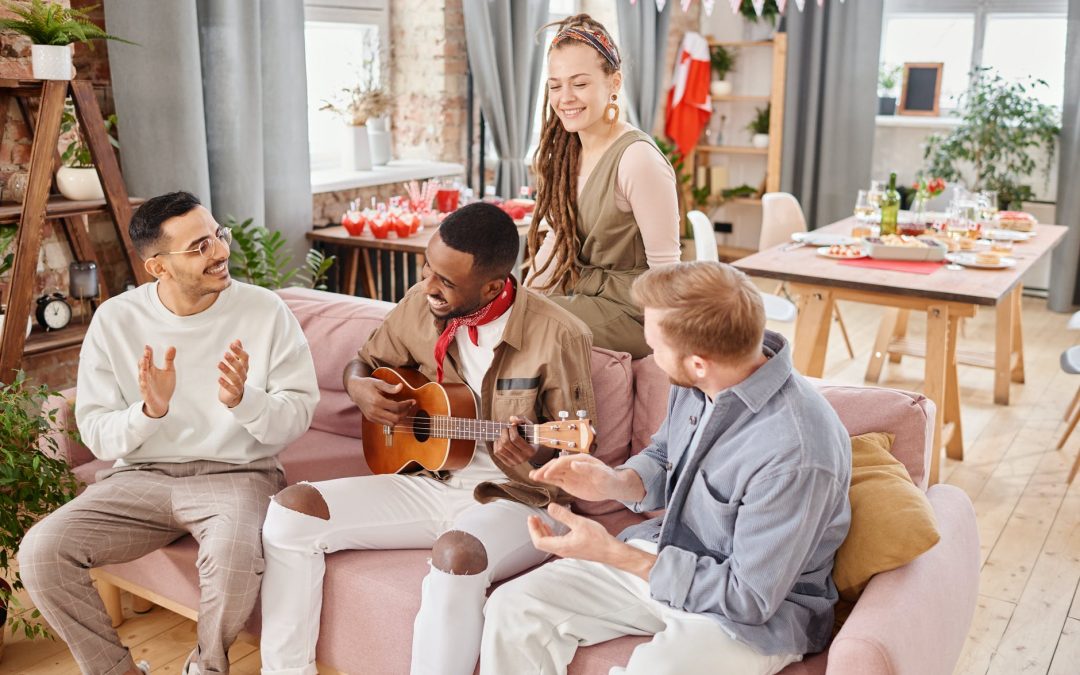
{"x":605,"y":191}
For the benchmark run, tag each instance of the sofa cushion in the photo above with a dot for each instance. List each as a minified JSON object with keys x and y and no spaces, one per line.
{"x":336,"y":326}
{"x":613,"y":386}
{"x":651,"y":390}
{"x":908,"y":417}
{"x":892,"y":522}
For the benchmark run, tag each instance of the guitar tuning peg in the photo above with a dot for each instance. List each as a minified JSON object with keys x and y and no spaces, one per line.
{"x":582,"y":414}
{"x":563,"y":415}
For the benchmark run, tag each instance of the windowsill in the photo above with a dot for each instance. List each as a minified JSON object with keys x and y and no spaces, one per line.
{"x":917,"y":122}
{"x":397,"y":171}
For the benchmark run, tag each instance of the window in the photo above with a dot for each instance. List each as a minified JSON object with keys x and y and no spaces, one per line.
{"x":1018,"y":39}
{"x":344,"y":42}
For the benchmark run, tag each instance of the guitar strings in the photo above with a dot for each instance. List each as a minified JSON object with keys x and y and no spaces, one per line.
{"x":403,"y":429}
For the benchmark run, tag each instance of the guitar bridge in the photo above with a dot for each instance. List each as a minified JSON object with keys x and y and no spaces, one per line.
{"x":388,"y":435}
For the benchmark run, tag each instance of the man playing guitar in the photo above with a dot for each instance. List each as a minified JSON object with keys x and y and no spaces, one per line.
{"x":525,"y":358}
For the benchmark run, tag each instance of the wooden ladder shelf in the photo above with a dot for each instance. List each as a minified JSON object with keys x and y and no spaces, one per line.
{"x":37,"y":206}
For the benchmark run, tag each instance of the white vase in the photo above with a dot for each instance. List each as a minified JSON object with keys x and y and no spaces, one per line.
{"x":760,"y":140}
{"x":357,"y":154}
{"x":51,"y":62}
{"x":29,"y":324}
{"x":720,"y":88}
{"x":79,"y":184}
{"x":379,"y":132}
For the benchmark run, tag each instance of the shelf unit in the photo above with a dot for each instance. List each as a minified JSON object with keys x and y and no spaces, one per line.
{"x":704,"y":154}
{"x":39,"y":206}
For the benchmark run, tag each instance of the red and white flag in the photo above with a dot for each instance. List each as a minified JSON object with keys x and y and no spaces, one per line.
{"x":689,"y":105}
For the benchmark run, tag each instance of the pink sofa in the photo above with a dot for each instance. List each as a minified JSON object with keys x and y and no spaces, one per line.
{"x":910,"y":620}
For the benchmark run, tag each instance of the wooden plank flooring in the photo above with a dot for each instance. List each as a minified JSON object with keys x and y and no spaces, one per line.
{"x":1028,"y":615}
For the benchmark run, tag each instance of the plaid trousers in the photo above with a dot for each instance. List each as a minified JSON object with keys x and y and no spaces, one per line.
{"x":134,"y":510}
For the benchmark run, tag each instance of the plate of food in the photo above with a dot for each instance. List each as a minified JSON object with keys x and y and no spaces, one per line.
{"x":1021,"y":221}
{"x":842,"y":252}
{"x":905,"y":247}
{"x":983,"y":260}
{"x":1007,"y":235}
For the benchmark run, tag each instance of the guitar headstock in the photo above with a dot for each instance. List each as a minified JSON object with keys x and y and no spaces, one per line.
{"x":567,"y":434}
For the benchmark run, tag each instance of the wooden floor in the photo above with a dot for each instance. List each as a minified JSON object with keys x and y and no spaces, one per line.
{"x":1028,"y":617}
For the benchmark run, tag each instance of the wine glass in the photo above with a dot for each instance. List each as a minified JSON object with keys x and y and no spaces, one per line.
{"x":956,"y":228}
{"x":864,"y":210}
{"x":877,"y":191}
{"x":988,"y":205}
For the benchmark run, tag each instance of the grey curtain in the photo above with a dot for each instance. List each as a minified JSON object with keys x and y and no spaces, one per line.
{"x":213,"y":100}
{"x":1064,"y":280}
{"x":505,"y":58}
{"x":830,"y":104}
{"x":643,"y":37}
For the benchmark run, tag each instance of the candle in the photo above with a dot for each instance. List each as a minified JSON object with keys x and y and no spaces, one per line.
{"x":83,"y":280}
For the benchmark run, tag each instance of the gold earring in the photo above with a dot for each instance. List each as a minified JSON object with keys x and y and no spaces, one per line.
{"x":611,"y":111}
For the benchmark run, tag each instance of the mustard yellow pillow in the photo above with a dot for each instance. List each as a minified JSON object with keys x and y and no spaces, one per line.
{"x":892,"y":522}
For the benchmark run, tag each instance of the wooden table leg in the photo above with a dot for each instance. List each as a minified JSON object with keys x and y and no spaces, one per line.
{"x":369,"y":279}
{"x":1003,"y":349}
{"x":900,"y":332}
{"x":351,"y":263}
{"x":1018,"y":335}
{"x":889,"y":323}
{"x":937,"y":333}
{"x":954,"y":448}
{"x":812,"y":330}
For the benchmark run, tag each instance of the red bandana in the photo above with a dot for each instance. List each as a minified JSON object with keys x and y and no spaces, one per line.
{"x":486,"y":314}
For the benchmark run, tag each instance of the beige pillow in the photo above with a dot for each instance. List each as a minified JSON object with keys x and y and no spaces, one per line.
{"x":892,"y":522}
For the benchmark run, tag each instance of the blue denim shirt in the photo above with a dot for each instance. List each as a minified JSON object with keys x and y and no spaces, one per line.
{"x":757,"y":511}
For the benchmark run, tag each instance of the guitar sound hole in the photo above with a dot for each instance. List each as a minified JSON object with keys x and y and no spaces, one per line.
{"x":422,"y":426}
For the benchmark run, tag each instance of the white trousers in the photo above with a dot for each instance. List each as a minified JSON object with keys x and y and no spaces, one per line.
{"x":536,"y":622}
{"x":391,"y":512}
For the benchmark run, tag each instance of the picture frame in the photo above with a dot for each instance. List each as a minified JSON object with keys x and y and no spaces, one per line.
{"x":921,"y":93}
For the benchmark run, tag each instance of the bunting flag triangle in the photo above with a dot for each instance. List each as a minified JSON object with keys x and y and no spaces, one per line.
{"x":660,"y":5}
{"x":735,"y":6}
{"x":800,"y":4}
{"x":759,"y":6}
{"x":686,"y":5}
{"x":708,"y":5}
{"x":781,"y":4}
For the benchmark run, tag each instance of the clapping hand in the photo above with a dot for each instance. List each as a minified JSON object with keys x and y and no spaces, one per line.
{"x":234,"y":372}
{"x":156,"y":385}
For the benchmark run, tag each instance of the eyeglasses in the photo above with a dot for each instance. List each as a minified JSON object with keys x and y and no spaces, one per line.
{"x":206,"y":246}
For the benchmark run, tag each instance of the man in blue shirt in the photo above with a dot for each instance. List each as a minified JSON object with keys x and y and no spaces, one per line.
{"x":752,"y":466}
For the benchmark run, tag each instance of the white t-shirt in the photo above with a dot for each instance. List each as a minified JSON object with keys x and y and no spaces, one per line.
{"x":279,"y":396}
{"x":475,"y":360}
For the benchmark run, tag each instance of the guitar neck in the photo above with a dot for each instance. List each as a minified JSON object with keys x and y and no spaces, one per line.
{"x":463,"y":428}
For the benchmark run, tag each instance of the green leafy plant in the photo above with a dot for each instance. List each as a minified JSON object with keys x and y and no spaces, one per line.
{"x":1001,"y":124}
{"x":7,"y":259}
{"x":261,"y":259}
{"x":700,"y":195}
{"x":888,"y":79}
{"x":49,"y":23}
{"x":77,"y":152}
{"x":760,"y":123}
{"x":34,"y":481}
{"x":739,"y":191}
{"x":723,"y":61}
{"x":770,"y":12}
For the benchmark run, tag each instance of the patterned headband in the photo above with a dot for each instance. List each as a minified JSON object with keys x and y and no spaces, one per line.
{"x":594,"y":39}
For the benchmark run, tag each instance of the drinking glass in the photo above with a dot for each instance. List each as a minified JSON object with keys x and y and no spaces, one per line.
{"x":877,"y":191}
{"x":864,"y":210}
{"x":956,"y":228}
{"x":988,"y":205}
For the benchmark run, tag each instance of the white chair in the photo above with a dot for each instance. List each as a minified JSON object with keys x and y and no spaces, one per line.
{"x":704,"y":237}
{"x":781,"y":217}
{"x":776,"y":308}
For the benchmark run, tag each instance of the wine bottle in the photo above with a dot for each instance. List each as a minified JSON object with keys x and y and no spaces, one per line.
{"x":890,"y":207}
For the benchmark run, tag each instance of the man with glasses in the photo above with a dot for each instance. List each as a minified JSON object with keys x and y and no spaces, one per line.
{"x":192,"y":384}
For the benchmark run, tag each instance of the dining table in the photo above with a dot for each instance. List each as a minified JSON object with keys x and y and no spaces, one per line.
{"x":945,"y":295}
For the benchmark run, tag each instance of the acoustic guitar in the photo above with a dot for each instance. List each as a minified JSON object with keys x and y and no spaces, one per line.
{"x":442,"y":431}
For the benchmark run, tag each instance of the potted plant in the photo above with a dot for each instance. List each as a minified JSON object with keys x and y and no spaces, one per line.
{"x":723,"y":62}
{"x":261,"y":259}
{"x":888,"y":79}
{"x":77,"y":178}
{"x":760,"y":27}
{"x":1001,"y":124}
{"x":53,"y":28}
{"x":34,"y":481}
{"x":7,"y":259}
{"x":759,"y":127}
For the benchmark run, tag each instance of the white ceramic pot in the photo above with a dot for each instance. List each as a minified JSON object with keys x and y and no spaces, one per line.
{"x":720,"y":88}
{"x":51,"y":62}
{"x":79,"y":184}
{"x":379,"y":132}
{"x":357,"y":155}
{"x":760,"y":140}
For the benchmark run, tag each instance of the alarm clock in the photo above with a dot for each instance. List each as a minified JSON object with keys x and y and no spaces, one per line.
{"x":53,"y":311}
